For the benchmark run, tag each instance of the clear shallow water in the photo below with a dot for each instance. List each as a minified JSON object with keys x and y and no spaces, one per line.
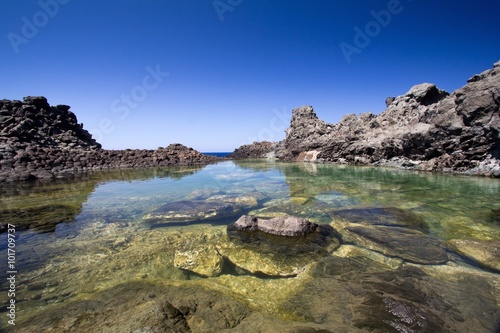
{"x":84,"y":240}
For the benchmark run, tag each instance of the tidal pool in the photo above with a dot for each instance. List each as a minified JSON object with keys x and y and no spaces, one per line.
{"x":147,"y":250}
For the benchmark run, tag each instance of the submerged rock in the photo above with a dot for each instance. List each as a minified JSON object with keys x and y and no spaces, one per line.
{"x":371,"y":297}
{"x":244,"y":201}
{"x":204,"y":260}
{"x":191,"y":211}
{"x":409,"y":245}
{"x":281,"y":246}
{"x":41,"y":219}
{"x":486,"y":254}
{"x":386,"y":216}
{"x":143,"y":307}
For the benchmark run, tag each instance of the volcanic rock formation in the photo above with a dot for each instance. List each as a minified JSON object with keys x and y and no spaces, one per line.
{"x":425,"y":129}
{"x":42,"y":141}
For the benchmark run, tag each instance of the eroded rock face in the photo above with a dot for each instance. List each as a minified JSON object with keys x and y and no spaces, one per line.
{"x":425,"y":129}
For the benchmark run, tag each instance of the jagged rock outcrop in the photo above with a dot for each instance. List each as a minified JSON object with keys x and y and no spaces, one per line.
{"x":255,"y":150}
{"x":425,"y":129}
{"x":34,"y":121}
{"x":39,"y":141}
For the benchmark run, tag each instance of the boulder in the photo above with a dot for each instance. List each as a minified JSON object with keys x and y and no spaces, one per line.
{"x":282,"y":246}
{"x":281,"y":226}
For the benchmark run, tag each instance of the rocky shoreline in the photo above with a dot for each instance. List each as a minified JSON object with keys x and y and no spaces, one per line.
{"x":426,"y":129}
{"x":39,"y":141}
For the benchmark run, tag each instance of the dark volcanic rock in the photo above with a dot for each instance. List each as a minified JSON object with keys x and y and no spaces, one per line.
{"x":425,"y":129}
{"x":39,"y":141}
{"x":254,"y":150}
{"x":35,"y":121}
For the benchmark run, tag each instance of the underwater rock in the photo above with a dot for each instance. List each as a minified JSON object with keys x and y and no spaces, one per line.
{"x":385,"y":216}
{"x":486,"y":254}
{"x":142,"y":307}
{"x":282,"y":248}
{"x":41,"y":219}
{"x":190,"y":211}
{"x":409,"y":245}
{"x":202,"y":260}
{"x":281,"y":226}
{"x":245,"y":201}
{"x":371,"y":297}
{"x":495,"y":215}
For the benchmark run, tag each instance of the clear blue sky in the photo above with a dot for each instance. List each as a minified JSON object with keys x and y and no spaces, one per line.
{"x":217,"y":74}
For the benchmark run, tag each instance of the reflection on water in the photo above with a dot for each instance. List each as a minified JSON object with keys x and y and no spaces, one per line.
{"x":413,"y":252}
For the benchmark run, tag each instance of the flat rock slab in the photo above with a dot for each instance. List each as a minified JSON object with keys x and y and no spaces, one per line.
{"x":385,"y":216}
{"x":409,"y":245}
{"x":485,"y":254}
{"x":191,"y":211}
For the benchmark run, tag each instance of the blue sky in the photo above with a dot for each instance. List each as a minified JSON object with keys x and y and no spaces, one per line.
{"x":217,"y":74}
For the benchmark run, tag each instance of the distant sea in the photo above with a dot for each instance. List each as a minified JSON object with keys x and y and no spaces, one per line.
{"x":217,"y":154}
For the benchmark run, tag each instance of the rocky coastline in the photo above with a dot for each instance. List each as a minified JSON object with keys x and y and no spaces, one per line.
{"x":425,"y":129}
{"x":40,"y":141}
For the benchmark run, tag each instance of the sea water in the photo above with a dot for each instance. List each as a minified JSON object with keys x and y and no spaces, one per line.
{"x":76,"y":243}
